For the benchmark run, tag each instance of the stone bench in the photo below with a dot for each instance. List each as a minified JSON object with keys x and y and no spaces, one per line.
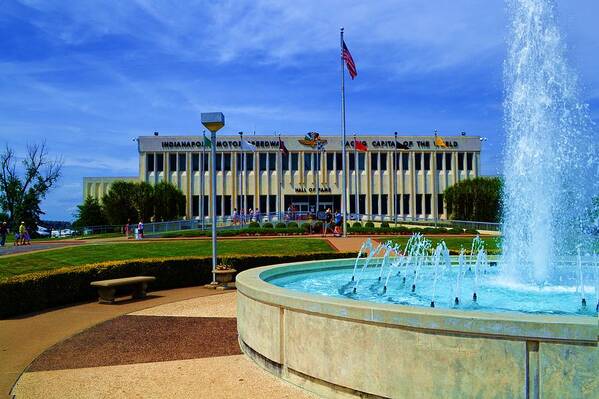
{"x":107,"y":288}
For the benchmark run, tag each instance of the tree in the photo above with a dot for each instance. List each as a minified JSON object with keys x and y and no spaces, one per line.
{"x":22,"y":191}
{"x":90,"y":213}
{"x":143,"y":200}
{"x":169,"y":202}
{"x":477,"y":199}
{"x":118,"y":203}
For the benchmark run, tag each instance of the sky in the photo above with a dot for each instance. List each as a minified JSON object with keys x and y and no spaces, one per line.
{"x":88,"y":77}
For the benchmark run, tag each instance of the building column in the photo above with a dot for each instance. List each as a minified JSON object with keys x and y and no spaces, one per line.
{"x":434,"y":181}
{"x":413,"y":173}
{"x":189,"y":202}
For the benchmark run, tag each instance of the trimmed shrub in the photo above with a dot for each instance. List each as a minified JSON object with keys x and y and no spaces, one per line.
{"x":471,"y":231}
{"x":267,"y":225}
{"x":305,"y":227}
{"x":385,"y":225}
{"x":292,"y":225}
{"x":280,"y":225}
{"x":37,"y":291}
{"x":254,"y":224}
{"x":456,"y":230}
{"x":369,"y":225}
{"x":357,"y":224}
{"x":317,"y":227}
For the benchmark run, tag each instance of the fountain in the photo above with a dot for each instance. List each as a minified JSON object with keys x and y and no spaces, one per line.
{"x":526,"y":329}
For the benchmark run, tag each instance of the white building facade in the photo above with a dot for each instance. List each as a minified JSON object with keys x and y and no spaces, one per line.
{"x":397,"y":176}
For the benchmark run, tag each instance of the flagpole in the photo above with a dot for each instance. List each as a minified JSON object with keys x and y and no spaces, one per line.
{"x":357,"y":196}
{"x":394,"y":169}
{"x":242,"y":170}
{"x":317,"y":179}
{"x":343,"y":151}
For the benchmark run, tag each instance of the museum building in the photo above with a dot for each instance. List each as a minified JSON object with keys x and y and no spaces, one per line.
{"x":289,"y":170}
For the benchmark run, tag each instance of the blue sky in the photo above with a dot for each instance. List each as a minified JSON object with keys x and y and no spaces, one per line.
{"x":89,"y":76}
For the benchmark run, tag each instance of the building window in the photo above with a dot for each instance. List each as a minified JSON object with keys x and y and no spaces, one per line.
{"x":263,"y":199}
{"x":195,"y":163}
{"x":418,"y":160}
{"x":219,"y":163}
{"x":383,"y":162}
{"x":272,"y":161}
{"x":440,"y":204}
{"x":172,"y":162}
{"x":427,"y":161}
{"x":439,"y":161}
{"x":219,"y":205}
{"x":375,"y":204}
{"x":249,"y":162}
{"x":182,"y":162}
{"x":469,"y":157}
{"x":195,"y":205}
{"x":285,"y":161}
{"x":294,"y":161}
{"x":384,"y":209}
{"x":272,"y":203}
{"x":206,"y":207}
{"x":330,"y":161}
{"x":374,"y":161}
{"x":361,"y":161}
{"x":405,"y":161}
{"x":428,"y":203}
{"x":159,"y":162}
{"x":307,"y":161}
{"x":227,"y":204}
{"x":406,"y":204}
{"x":338,"y":161}
{"x":227,"y":162}
{"x":460,"y":161}
{"x":448,"y":156}
{"x":149,"y":162}
{"x":418,"y":204}
{"x":262,"y":162}
{"x":250,"y":202}
{"x":352,"y":162}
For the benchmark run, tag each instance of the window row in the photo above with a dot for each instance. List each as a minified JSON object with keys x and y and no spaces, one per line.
{"x":268,"y":161}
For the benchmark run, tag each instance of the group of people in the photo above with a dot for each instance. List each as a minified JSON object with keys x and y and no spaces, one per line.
{"x":250,"y":216}
{"x":128,"y":230}
{"x":333,"y":222}
{"x":22,"y":236}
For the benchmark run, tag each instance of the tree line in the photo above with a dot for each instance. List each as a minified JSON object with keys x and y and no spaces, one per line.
{"x":477,"y":199}
{"x":132,"y":201}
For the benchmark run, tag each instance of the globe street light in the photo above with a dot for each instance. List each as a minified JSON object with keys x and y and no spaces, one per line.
{"x":213,"y":121}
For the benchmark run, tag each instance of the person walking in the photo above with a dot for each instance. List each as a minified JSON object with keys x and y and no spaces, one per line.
{"x":338,"y":224}
{"x":235,"y":217}
{"x":328,"y":220}
{"x":3,"y":233}
{"x":26,"y":237}
{"x":140,"y":229}
{"x":127,"y":228}
{"x":22,"y":230}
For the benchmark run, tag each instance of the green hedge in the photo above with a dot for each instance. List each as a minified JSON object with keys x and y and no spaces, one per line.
{"x":37,"y":291}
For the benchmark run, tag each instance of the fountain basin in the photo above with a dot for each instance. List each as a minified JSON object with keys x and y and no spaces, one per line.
{"x":340,"y":347}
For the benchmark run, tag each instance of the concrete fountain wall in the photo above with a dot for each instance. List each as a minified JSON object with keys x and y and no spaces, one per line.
{"x":342,"y":348}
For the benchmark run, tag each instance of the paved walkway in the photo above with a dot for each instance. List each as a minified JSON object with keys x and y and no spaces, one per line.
{"x":23,"y":338}
{"x":186,"y":348}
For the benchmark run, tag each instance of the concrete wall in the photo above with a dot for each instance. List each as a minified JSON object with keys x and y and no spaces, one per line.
{"x":344,"y":348}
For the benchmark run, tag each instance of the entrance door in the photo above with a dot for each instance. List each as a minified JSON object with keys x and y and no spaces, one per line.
{"x":301,"y":206}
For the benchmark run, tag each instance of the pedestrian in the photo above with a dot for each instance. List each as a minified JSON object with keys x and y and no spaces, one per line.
{"x":3,"y":233}
{"x":328,"y":220}
{"x":140,"y":229}
{"x":250,"y":215}
{"x":257,"y":215}
{"x":26,"y":237}
{"x":127,"y":228}
{"x":22,"y":230}
{"x":235,"y":216}
{"x":338,"y":224}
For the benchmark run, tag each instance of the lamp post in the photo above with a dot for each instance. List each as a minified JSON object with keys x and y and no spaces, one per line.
{"x":394,"y":169}
{"x":213,"y":121}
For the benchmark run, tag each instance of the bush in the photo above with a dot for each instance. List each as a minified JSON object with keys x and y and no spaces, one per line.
{"x":385,"y":225}
{"x":357,"y":224}
{"x":317,"y":227}
{"x":471,"y":231}
{"x":36,"y":291}
{"x":292,"y":225}
{"x":267,"y":225}
{"x":305,"y":227}
{"x":254,"y":224}
{"x":280,"y":225}
{"x":456,"y":230}
{"x":369,"y":225}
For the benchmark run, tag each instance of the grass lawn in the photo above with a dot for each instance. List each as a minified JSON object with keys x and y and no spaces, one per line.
{"x":455,"y":243}
{"x":92,"y":253}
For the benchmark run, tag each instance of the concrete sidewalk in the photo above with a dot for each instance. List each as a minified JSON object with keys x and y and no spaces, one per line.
{"x":23,"y":338}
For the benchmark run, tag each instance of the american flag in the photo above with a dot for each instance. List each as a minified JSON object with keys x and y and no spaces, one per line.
{"x":349,"y":61}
